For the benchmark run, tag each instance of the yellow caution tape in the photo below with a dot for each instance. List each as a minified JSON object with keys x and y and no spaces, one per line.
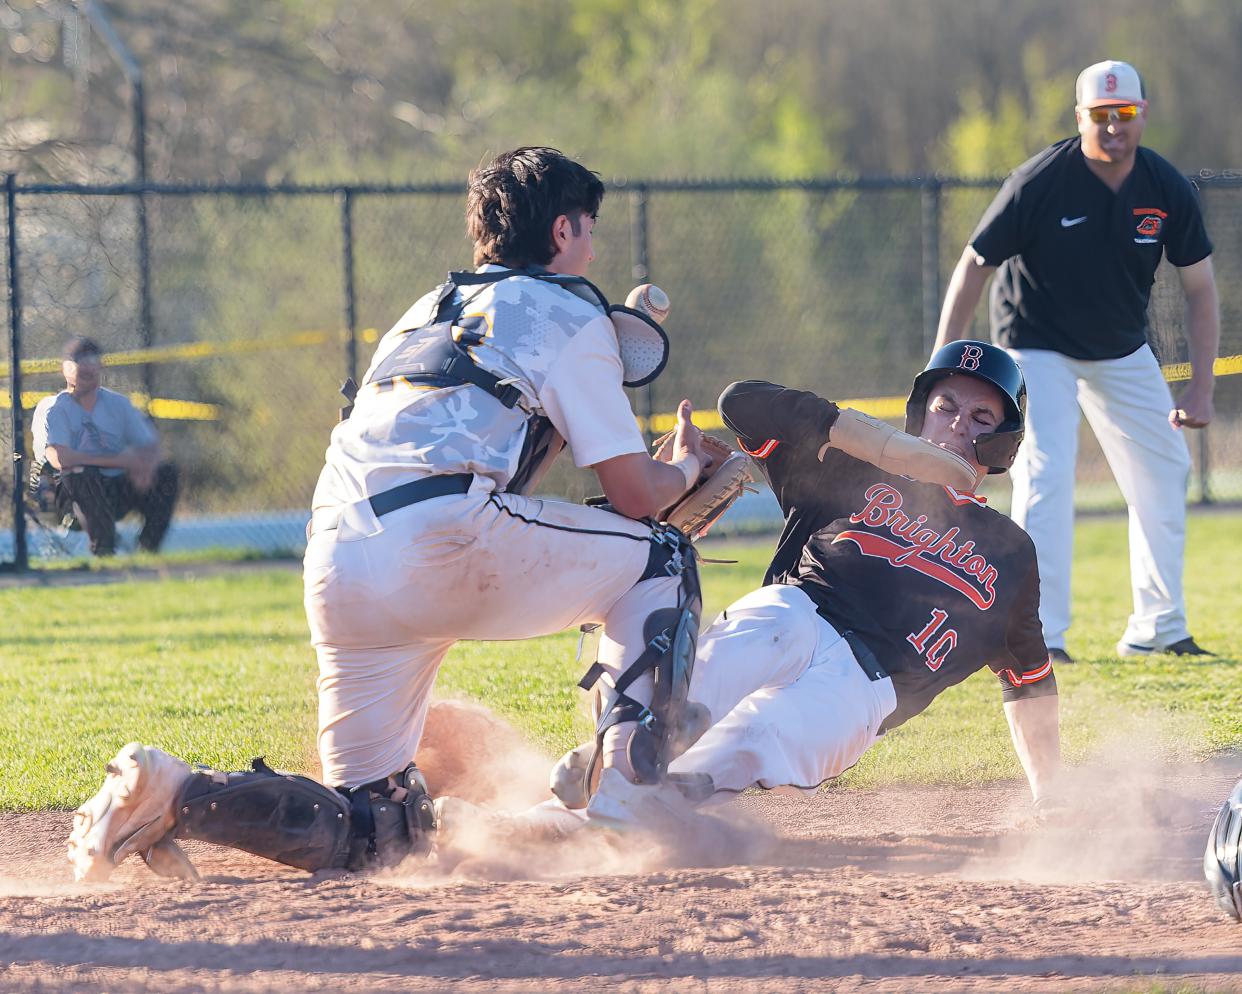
{"x":888,"y":408}
{"x":894,"y":408}
{"x":193,"y":351}
{"x":158,"y":407}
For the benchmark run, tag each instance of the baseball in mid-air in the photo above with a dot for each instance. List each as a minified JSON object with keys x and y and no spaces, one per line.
{"x":650,"y":300}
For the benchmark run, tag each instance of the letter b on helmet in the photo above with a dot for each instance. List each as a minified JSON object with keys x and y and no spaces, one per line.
{"x":971,"y":354}
{"x":984,"y":361}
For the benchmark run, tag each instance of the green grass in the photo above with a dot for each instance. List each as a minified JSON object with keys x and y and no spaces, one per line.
{"x":217,"y":668}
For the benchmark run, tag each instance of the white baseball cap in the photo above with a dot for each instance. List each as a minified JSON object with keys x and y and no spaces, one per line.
{"x":1109,"y":84}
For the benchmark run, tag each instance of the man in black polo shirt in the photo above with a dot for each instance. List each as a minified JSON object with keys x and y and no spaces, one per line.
{"x":1075,"y":236}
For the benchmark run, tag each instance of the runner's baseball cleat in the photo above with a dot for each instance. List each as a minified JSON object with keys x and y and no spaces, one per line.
{"x":462,"y":825}
{"x":133,"y":812}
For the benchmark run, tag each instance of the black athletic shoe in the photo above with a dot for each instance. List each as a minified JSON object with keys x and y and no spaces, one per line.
{"x":1058,"y":657}
{"x":1186,"y":647}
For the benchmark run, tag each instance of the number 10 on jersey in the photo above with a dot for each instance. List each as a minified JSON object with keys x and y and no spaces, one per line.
{"x":935,"y":656}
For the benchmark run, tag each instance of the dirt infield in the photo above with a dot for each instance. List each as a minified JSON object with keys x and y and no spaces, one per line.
{"x":897,"y":889}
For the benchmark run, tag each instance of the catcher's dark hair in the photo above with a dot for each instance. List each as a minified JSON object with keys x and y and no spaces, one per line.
{"x":512,"y":202}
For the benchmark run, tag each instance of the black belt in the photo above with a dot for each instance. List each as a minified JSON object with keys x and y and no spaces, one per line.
{"x":866,"y":658}
{"x":325,"y":519}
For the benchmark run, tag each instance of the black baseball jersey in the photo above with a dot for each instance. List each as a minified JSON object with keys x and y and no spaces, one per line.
{"x":1077,"y":261}
{"x":935,"y":583}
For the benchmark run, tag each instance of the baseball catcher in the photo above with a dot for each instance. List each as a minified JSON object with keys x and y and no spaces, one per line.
{"x":883,"y":592}
{"x":424,"y":531}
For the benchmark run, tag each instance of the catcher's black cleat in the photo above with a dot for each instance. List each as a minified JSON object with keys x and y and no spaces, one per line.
{"x":1185,"y":647}
{"x":1059,"y":657}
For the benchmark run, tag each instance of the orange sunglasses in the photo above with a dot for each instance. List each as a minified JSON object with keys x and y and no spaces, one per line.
{"x":1102,"y":115}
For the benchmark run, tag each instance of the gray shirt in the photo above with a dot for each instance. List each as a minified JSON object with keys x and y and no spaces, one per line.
{"x":113,"y":426}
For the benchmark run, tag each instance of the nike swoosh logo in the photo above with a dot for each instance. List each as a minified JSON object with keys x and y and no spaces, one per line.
{"x":1069,"y":222}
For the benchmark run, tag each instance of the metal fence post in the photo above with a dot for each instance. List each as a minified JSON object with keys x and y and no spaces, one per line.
{"x":144,"y":234}
{"x":930,"y":200}
{"x":20,"y":557}
{"x":345,"y":198}
{"x":1205,"y":493}
{"x":641,"y":272}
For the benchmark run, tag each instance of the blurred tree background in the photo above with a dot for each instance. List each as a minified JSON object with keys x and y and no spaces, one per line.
{"x":411,"y":90}
{"x":824,"y":289}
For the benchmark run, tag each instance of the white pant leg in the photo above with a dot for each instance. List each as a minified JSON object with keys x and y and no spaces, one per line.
{"x":800,"y":732}
{"x":765,"y":639}
{"x":1043,"y":480}
{"x":1127,"y":404}
{"x":385,"y":607}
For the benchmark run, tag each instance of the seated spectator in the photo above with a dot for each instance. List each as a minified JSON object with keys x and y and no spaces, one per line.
{"x":103,"y":453}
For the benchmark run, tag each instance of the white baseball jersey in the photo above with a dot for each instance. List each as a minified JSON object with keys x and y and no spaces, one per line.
{"x":558,"y":349}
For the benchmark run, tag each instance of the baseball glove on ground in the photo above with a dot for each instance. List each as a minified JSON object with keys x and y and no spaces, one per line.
{"x":701,"y":506}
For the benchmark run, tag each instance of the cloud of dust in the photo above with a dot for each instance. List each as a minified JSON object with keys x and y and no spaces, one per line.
{"x":513,"y":829}
{"x":468,"y":751}
{"x":1131,"y":812}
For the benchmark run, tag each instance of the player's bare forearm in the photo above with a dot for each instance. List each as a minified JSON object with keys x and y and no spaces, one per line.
{"x":1203,"y":326}
{"x":965,"y":288}
{"x":1035,"y":726}
{"x":1194,"y":405}
{"x":638,"y":486}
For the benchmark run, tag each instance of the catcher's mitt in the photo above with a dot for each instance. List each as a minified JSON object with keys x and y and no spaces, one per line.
{"x":717,"y":488}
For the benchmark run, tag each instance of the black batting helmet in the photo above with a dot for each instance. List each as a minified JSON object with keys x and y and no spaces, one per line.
{"x":995,"y":449}
{"x":1220,"y":860}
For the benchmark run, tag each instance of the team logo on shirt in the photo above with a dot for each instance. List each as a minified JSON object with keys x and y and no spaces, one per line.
{"x":932,"y":553}
{"x":1151,"y":223}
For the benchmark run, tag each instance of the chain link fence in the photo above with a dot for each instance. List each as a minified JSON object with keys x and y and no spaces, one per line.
{"x":236,"y":314}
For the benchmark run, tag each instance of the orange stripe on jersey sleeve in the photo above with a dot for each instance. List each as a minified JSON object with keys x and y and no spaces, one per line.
{"x":763,"y":451}
{"x":1030,"y":676}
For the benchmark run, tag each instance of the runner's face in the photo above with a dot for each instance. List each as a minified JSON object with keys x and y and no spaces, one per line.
{"x":1113,"y":140}
{"x":959,"y":409}
{"x":574,"y":248}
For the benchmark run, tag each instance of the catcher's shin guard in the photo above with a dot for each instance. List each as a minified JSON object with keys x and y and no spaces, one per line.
{"x":672,"y":721}
{"x":299,"y":822}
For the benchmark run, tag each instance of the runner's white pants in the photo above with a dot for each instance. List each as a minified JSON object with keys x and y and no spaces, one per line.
{"x":789,"y":703}
{"x":1127,"y":403}
{"x":386,"y":598}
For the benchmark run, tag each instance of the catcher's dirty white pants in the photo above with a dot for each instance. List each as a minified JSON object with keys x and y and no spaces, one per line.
{"x":1127,"y":403}
{"x":386,"y":598}
{"x":789,"y":703}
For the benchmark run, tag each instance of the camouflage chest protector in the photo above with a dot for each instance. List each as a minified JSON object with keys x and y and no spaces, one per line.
{"x":442,"y":354}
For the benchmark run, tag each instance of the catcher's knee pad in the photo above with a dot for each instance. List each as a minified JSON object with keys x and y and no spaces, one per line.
{"x":672,"y":721}
{"x":299,"y":822}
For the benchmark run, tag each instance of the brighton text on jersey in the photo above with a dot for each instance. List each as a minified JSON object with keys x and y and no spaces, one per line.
{"x":977,"y":579}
